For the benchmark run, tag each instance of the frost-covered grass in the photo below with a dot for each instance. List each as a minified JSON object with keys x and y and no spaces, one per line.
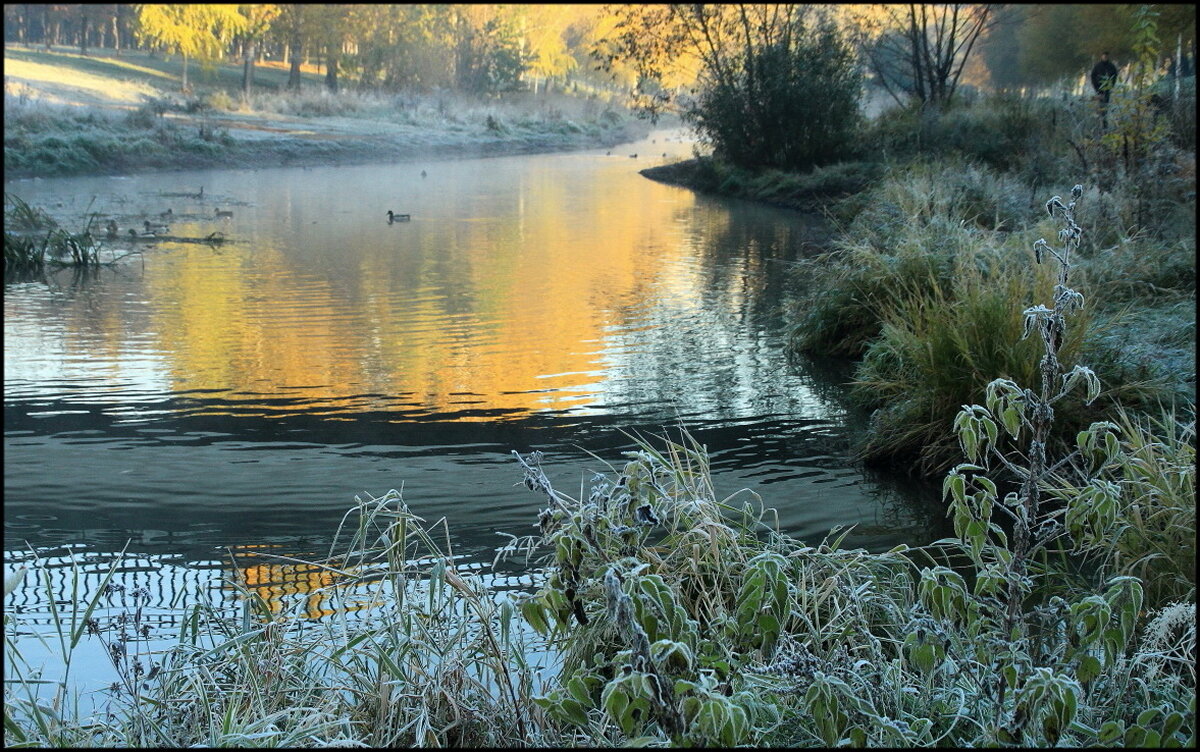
{"x":679,"y":618}
{"x":47,"y":139}
{"x":71,"y":114}
{"x":927,"y":275}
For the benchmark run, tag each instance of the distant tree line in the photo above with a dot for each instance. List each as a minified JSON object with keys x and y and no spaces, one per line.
{"x":472,"y":48}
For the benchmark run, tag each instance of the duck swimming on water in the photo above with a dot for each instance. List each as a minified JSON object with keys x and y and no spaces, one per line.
{"x":394,"y":217}
{"x":223,"y":213}
{"x":155,"y":228}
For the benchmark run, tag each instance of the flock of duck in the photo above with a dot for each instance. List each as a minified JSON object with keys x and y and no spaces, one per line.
{"x":153,"y":230}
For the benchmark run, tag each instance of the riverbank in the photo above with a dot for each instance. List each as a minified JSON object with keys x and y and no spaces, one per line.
{"x":931,"y":263}
{"x":68,"y":114}
{"x":812,"y":192}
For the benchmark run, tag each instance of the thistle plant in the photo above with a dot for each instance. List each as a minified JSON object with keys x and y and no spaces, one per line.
{"x":1048,"y":654}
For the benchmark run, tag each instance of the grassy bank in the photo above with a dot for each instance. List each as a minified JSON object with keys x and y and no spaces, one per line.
{"x":935,"y":218}
{"x":68,"y":114}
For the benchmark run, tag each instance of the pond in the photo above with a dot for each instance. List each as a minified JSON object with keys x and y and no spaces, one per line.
{"x":201,"y":403}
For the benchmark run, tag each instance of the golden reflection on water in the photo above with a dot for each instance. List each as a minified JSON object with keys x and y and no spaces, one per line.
{"x":277,"y":583}
{"x":506,"y":311}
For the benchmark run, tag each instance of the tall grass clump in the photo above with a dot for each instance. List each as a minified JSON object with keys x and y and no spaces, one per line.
{"x":415,"y":653}
{"x":33,"y":240}
{"x":906,"y":236}
{"x":1150,"y":530}
{"x":926,"y":285}
{"x":937,"y":352}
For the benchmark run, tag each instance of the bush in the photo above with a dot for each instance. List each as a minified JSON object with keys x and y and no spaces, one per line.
{"x":789,"y":107}
{"x":999,"y":131}
{"x":220,"y":100}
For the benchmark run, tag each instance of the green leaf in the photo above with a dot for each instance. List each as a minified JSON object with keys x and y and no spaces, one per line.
{"x":924,"y":657}
{"x":993,"y":433}
{"x":1172,"y":723}
{"x":1088,"y":669}
{"x":1148,"y":716}
{"x":573,"y":712}
{"x":578,"y":689}
{"x":533,"y":613}
{"x":1111,"y":731}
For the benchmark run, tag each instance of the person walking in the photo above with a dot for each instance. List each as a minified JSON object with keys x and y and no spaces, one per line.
{"x":1104,"y":77}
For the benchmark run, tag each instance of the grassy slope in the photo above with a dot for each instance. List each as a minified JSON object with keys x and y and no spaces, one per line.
{"x":68,"y":113}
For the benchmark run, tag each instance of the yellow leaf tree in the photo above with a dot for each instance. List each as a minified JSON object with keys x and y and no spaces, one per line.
{"x":193,"y":31}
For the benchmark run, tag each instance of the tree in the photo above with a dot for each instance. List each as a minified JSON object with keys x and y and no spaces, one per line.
{"x":258,"y":23}
{"x":920,"y":50}
{"x":777,"y":85}
{"x":544,"y":31}
{"x":295,"y":26}
{"x":194,"y":31}
{"x":489,"y":52}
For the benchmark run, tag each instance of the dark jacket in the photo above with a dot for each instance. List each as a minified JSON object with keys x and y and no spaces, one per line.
{"x":1104,"y":70}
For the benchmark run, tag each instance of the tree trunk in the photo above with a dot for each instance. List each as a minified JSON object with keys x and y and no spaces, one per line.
{"x":293,"y":81}
{"x":185,"y":83}
{"x":248,"y":68}
{"x":331,"y":72}
{"x":83,"y":32}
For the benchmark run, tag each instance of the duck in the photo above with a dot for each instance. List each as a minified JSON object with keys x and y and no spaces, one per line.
{"x":422,"y":173}
{"x":168,"y":213}
{"x":222,"y":212}
{"x":633,"y":155}
{"x":110,"y":229}
{"x":135,"y":235}
{"x":394,"y":217}
{"x":155,"y":228}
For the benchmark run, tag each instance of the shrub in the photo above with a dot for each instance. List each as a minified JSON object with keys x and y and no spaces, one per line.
{"x":786,"y":106}
{"x":998,"y":131}
{"x":220,"y":100}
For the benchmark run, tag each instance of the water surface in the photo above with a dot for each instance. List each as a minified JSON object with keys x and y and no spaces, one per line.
{"x":204,"y":402}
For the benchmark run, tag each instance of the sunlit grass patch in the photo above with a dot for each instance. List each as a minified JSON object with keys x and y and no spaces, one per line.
{"x":64,"y":78}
